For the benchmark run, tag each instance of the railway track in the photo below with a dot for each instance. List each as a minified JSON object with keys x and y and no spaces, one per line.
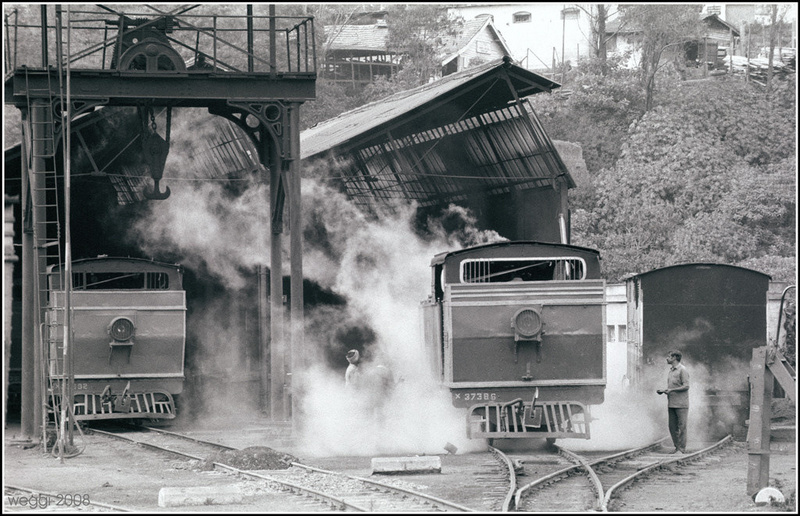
{"x":331,"y":490}
{"x":594,"y":482}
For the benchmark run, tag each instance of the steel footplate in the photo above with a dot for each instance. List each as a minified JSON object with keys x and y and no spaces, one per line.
{"x":518,"y":419}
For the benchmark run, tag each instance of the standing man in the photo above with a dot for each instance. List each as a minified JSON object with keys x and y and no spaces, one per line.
{"x":677,"y":400}
{"x":352,"y":373}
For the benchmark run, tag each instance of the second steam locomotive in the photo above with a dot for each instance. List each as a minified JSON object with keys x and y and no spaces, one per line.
{"x":516,"y":330}
{"x":129,"y":334}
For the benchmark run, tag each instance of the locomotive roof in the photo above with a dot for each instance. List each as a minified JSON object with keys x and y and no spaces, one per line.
{"x":441,"y":257}
{"x":127,"y":259}
{"x":696,"y":264}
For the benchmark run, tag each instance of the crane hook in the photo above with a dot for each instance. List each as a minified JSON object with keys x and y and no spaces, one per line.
{"x":155,"y":150}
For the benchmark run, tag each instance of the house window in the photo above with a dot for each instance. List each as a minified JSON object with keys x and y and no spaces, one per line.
{"x":570,"y":13}
{"x":617,"y":333}
{"x":482,"y":47}
{"x":522,"y":17}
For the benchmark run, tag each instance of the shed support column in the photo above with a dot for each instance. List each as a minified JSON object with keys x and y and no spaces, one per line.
{"x":28,"y":402}
{"x":277,"y":364}
{"x":34,"y":264}
{"x":563,"y":210}
{"x":263,"y":335}
{"x":758,"y":433}
{"x":297,"y":352}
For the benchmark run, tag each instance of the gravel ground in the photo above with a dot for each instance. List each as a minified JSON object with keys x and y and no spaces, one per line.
{"x":117,"y":473}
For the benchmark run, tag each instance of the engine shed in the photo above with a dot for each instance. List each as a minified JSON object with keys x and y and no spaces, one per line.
{"x":470,"y":138}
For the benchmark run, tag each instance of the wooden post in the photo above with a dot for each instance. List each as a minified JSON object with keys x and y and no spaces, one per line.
{"x":758,"y":433}
{"x":563,"y":37}
{"x":730,"y":55}
{"x":747,"y":54}
{"x":705,"y":57}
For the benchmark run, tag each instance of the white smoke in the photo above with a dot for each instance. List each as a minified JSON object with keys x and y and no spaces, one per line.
{"x":379,"y":265}
{"x":382,"y":269}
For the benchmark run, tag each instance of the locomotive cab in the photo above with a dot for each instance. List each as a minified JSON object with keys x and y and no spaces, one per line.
{"x":516,"y":332}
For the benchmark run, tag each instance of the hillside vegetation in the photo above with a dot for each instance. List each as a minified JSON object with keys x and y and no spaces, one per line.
{"x":707,"y":175}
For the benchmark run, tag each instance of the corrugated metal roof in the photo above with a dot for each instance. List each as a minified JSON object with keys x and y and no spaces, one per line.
{"x":443,"y":142}
{"x":365,"y":120}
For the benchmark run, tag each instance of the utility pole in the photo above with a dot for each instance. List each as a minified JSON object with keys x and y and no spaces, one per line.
{"x":563,"y":39}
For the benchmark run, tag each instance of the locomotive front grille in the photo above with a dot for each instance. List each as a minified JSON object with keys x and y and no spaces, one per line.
{"x":517,"y":419}
{"x":142,"y":405}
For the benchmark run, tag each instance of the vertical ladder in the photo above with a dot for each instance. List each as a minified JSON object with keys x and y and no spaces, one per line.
{"x":43,"y":180}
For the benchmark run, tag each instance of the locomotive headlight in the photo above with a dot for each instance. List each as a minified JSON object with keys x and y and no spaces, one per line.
{"x":121,"y":329}
{"x":527,"y":324}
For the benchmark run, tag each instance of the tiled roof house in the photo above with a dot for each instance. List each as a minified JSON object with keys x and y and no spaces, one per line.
{"x":356,"y":53}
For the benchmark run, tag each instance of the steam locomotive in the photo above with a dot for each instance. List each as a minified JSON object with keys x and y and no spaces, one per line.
{"x":516,"y":333}
{"x":129,"y":337}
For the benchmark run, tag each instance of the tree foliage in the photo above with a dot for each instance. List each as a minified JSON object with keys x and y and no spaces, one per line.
{"x":420,"y":33}
{"x":662,"y":30}
{"x":598,"y":112}
{"x":706,"y":176}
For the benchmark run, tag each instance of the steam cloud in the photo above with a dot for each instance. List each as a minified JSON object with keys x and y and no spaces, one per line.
{"x":380,"y":265}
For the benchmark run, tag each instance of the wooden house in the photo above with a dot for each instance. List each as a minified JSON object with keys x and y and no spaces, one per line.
{"x":357,"y":52}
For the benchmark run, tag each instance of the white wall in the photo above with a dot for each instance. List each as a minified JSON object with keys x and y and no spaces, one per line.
{"x":616,"y":336}
{"x":537,"y":38}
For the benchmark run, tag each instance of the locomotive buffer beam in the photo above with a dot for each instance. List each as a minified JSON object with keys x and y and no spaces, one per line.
{"x":550,"y":419}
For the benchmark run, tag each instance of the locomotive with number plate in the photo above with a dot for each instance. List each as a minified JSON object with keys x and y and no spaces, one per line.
{"x":129,"y":334}
{"x":516,"y":333}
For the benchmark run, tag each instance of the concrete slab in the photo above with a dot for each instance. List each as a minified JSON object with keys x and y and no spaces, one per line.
{"x":198,"y":495}
{"x":394,"y":465}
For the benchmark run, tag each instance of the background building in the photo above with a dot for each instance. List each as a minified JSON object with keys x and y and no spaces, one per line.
{"x":538,"y":34}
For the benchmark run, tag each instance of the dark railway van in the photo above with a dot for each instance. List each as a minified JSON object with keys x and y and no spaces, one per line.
{"x":715,"y":315}
{"x":129,"y":328}
{"x":516,"y":332}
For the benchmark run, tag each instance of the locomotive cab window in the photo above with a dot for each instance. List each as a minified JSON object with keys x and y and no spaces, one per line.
{"x":120,"y":281}
{"x":502,"y":270}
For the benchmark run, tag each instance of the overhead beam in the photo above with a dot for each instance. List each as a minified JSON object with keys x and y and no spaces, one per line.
{"x":129,"y":88}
